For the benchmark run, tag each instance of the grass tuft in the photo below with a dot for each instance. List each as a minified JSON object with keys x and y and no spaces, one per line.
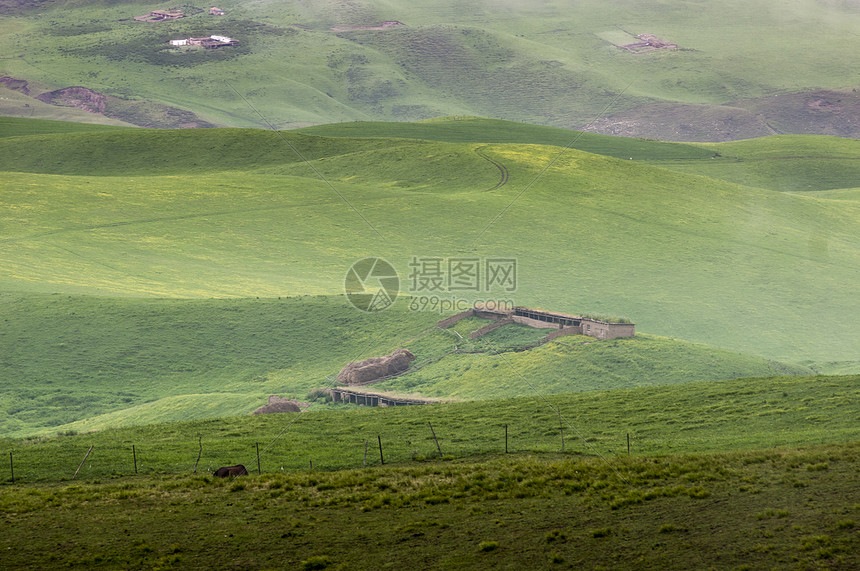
{"x":316,"y":562}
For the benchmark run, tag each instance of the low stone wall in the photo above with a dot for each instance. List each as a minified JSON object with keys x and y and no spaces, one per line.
{"x":449,"y":321}
{"x":487,"y":314}
{"x":489,"y":327}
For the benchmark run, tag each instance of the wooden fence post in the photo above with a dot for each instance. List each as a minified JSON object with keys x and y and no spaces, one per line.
{"x":439,"y":448}
{"x":134,"y":455}
{"x":628,"y":444}
{"x":506,"y":439}
{"x":381,"y":458}
{"x":259,"y":471}
{"x":82,"y":462}
{"x":363,"y":464}
{"x":12,"y":467}
{"x":199,"y":452}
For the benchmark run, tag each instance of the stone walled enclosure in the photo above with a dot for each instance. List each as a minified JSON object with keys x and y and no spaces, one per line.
{"x":380,"y":368}
{"x":561,"y":323}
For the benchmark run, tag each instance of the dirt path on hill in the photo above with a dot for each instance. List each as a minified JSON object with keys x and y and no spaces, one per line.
{"x":503,"y":170}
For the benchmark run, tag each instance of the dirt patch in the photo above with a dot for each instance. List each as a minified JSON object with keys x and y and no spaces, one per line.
{"x":683,"y":122}
{"x":819,"y":112}
{"x":376,"y":368}
{"x":15,"y":84}
{"x":77,"y":97}
{"x":140,"y":113}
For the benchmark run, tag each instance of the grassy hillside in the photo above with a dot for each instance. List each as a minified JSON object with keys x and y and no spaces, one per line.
{"x":581,"y":363}
{"x":483,"y":130}
{"x":731,"y":472}
{"x":741,"y":414}
{"x":70,"y":358}
{"x":84,"y":363}
{"x":17,"y":127}
{"x":143,"y":213}
{"x":782,"y":163}
{"x":15,"y":104}
{"x":555,"y":64}
{"x":159,"y":152}
{"x":774,"y":508}
{"x":785,"y":163}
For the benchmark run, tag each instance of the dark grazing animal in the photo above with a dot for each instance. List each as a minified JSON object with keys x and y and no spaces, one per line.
{"x":225,"y":471}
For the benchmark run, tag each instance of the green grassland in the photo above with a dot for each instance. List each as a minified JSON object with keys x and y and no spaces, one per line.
{"x":782,"y":163}
{"x":725,"y":472}
{"x":546,"y":63}
{"x":87,"y":363}
{"x":850,"y":194}
{"x":238,"y":213}
{"x":139,"y":361}
{"x":484,"y":130}
{"x":775,"y":508}
{"x":728,"y":473}
{"x":785,"y":163}
{"x":15,"y":127}
{"x":157,"y":286}
{"x":576,"y":362}
{"x":693,"y":417}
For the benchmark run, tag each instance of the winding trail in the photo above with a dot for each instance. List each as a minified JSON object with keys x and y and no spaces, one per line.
{"x":503,"y":170}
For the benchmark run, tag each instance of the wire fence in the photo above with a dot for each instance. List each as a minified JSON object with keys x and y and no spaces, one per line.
{"x":418,"y":438}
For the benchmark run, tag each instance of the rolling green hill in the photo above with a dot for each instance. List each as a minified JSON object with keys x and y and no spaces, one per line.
{"x":549,"y":63}
{"x":17,"y":127}
{"x":70,"y":358}
{"x":782,"y":163}
{"x":85,"y":363}
{"x":483,"y":130}
{"x":156,"y":286}
{"x":237,"y":213}
{"x":785,"y":163}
